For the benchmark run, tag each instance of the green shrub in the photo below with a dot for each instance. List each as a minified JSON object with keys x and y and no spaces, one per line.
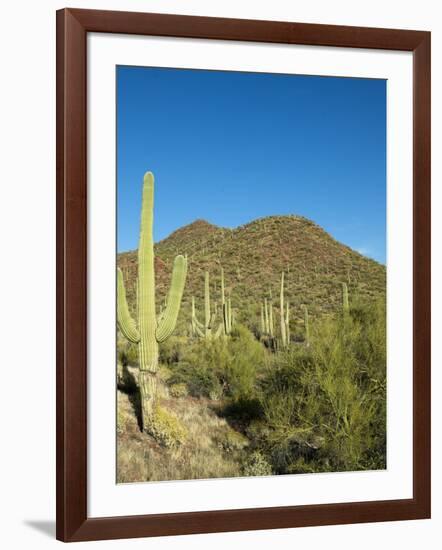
{"x":246,"y":359}
{"x":325,"y":406}
{"x":198,"y":378}
{"x":127,"y":354}
{"x":166,"y":429}
{"x":172,"y":350}
{"x":178,"y":390}
{"x":257,"y":465}
{"x":231,"y":441}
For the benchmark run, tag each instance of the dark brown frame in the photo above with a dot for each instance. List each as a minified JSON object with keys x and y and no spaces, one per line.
{"x":72,"y":521}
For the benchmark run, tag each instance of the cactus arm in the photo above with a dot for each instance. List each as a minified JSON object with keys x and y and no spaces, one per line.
{"x":198,"y":323}
{"x":124,"y":318}
{"x":271,"y":325}
{"x":169,"y":317}
{"x":219,"y":330}
{"x":263,"y":327}
{"x":212,"y":320}
{"x":267,"y":325}
{"x":199,"y":332}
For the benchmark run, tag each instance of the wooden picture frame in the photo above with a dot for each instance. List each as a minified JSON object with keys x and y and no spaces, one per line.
{"x":73,"y":523}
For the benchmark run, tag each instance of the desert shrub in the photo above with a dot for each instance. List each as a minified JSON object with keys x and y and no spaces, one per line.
{"x":172,"y":349}
{"x":231,"y":441}
{"x":178,"y":390}
{"x":166,"y":428}
{"x":221,"y":367}
{"x":199,"y":379}
{"x":127,"y":353}
{"x":324,"y":406}
{"x":246,"y":359}
{"x":257,"y":465}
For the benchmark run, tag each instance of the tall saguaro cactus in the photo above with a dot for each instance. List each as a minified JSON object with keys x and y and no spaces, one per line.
{"x":285,"y":316}
{"x":149,"y":331}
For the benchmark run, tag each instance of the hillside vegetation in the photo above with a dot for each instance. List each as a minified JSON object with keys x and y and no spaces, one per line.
{"x":238,"y":406}
{"x":253,"y":257}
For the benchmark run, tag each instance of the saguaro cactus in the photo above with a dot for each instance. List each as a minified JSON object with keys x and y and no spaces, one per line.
{"x":287,"y":322}
{"x":227,"y":308}
{"x":204,"y":330}
{"x":149,"y":331}
{"x":267,"y":321}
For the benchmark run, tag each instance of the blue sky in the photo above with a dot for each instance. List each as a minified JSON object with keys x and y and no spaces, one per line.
{"x":230,"y":147}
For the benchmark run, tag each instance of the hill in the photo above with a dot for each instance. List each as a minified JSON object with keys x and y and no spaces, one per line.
{"x":253,"y":257}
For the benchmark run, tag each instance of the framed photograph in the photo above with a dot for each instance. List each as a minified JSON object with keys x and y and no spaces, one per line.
{"x":243,"y":274}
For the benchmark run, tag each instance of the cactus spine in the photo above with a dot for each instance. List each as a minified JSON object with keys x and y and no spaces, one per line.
{"x":344,"y":297}
{"x":149,"y":331}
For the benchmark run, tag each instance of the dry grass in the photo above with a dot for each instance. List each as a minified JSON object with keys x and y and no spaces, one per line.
{"x":212,"y":448}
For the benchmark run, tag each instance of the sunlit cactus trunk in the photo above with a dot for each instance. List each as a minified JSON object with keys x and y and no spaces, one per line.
{"x":149,"y":331}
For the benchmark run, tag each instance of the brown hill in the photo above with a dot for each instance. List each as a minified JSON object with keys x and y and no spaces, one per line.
{"x":253,"y":257}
